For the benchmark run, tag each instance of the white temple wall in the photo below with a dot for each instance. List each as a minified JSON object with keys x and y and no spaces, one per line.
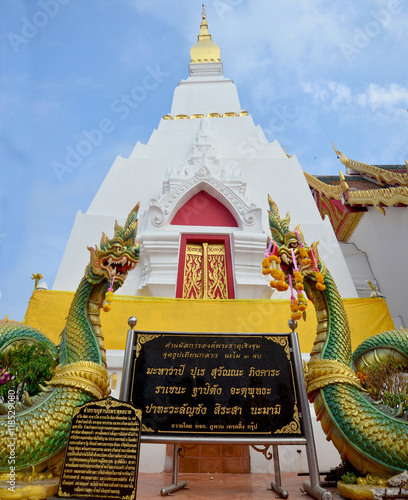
{"x":359,"y":267}
{"x":256,"y":173}
{"x":210,"y":95}
{"x":385,"y":241}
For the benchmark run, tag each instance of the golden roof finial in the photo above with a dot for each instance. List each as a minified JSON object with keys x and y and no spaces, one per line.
{"x":343,"y":158}
{"x":204,"y":35}
{"x":205,"y":50}
{"x":37,"y":277}
{"x":344,"y":186}
{"x":375,"y":293}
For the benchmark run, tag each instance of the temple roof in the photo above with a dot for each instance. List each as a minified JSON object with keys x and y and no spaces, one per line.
{"x":353,"y":182}
{"x":364,"y":184}
{"x":345,"y":198}
{"x":384,"y":175}
{"x":402,"y":169}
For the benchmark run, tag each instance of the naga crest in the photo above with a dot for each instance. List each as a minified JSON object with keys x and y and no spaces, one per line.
{"x":286,"y":240}
{"x":116,"y":256}
{"x":288,"y":260}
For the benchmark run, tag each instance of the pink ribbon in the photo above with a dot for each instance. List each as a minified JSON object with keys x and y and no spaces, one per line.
{"x":268,"y":250}
{"x":294,"y":260}
{"x":112,"y":281}
{"x":292,"y":297}
{"x":298,"y":237}
{"x":314,"y":260}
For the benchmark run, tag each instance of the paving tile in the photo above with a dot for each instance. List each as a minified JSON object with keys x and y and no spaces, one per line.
{"x":225,"y":486}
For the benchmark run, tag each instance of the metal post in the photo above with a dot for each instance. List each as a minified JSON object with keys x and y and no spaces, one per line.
{"x":127,"y":361}
{"x":168,"y":490}
{"x":312,"y":487}
{"x":277,"y":485}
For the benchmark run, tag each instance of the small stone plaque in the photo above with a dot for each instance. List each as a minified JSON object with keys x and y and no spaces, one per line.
{"x":102,"y":456}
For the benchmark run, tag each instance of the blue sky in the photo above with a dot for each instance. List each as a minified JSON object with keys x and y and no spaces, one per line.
{"x":308,"y":72}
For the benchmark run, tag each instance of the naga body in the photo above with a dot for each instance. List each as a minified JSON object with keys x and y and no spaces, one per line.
{"x":371,"y":436}
{"x":42,"y":422}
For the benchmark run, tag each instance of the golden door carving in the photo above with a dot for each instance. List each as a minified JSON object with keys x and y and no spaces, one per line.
{"x":205,"y":275}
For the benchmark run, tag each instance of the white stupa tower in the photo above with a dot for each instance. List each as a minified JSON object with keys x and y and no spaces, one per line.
{"x":202,"y":180}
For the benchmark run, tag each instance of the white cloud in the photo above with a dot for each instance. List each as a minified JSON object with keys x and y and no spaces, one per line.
{"x":334,"y":94}
{"x":393,"y":96}
{"x":319,"y":93}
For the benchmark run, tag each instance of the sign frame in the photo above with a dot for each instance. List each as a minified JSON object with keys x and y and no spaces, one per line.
{"x":208,"y":368}
{"x":312,"y":487}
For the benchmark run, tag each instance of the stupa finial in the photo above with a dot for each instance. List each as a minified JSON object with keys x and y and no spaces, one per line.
{"x":205,"y":50}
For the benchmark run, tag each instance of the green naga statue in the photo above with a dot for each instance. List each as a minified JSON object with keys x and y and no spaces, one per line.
{"x":42,"y":422}
{"x":371,"y":436}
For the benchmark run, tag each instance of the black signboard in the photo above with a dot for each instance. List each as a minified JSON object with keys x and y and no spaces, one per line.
{"x":101,"y":460}
{"x":215,"y":386}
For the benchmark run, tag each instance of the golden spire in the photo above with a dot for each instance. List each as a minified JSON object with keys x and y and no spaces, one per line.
{"x":205,"y":50}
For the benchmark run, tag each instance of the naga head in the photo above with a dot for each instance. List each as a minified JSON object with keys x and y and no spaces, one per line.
{"x":289,"y":260}
{"x":116,"y":256}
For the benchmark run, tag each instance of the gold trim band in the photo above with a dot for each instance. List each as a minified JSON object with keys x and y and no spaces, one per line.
{"x":84,"y":375}
{"x":322,"y":372}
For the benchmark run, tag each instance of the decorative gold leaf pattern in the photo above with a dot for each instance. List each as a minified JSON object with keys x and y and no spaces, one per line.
{"x":142,"y":339}
{"x":294,"y":426}
{"x":283,"y":341}
{"x":265,"y":451}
